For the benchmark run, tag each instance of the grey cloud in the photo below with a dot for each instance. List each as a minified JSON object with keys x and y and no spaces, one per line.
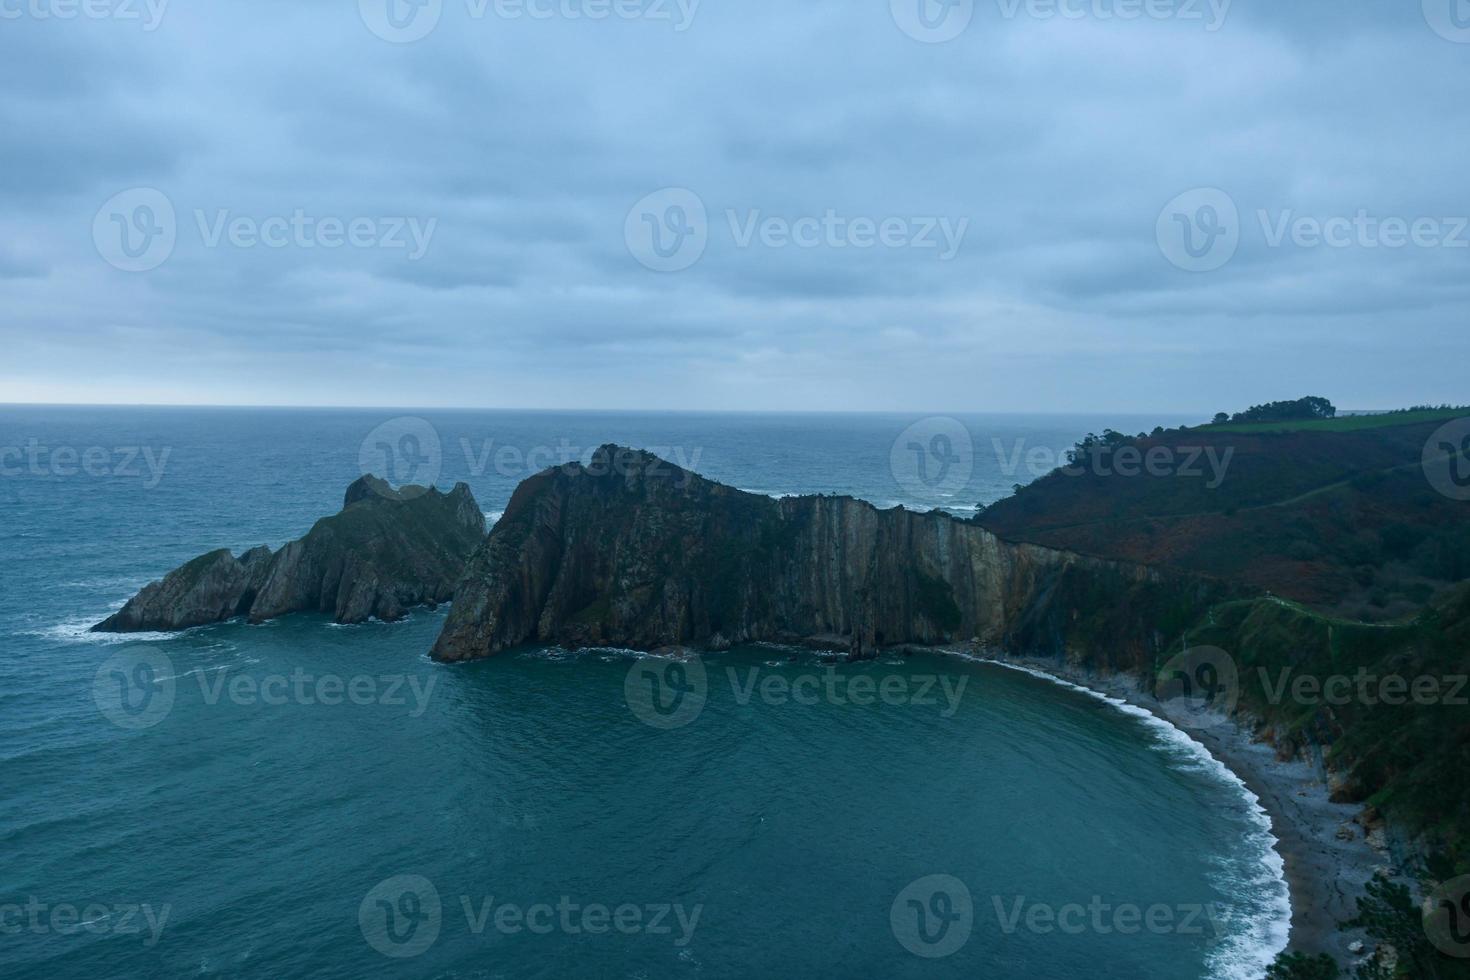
{"x":528,"y":142}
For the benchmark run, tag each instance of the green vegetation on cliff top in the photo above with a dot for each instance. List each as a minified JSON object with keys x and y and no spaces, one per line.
{"x":1345,"y":423}
{"x":1344,"y":521}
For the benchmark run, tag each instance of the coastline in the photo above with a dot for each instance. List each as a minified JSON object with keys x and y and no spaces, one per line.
{"x":1325,"y":874}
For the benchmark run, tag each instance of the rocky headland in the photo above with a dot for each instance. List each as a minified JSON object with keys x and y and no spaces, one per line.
{"x":632,"y":551}
{"x":384,"y":553}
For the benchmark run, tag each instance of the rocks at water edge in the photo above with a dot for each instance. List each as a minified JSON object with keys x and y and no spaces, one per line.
{"x":384,"y":553}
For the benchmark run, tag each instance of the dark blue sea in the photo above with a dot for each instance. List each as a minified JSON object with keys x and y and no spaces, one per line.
{"x":302,"y":799}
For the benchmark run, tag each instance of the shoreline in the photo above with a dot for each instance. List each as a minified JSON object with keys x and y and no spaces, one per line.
{"x":1325,"y":874}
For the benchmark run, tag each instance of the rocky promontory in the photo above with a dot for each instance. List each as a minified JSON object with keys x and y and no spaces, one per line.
{"x":384,"y":553}
{"x":632,"y":551}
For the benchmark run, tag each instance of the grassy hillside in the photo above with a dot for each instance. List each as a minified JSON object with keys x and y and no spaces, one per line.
{"x":1345,"y":423}
{"x":1342,"y":520}
{"x":1403,"y":751}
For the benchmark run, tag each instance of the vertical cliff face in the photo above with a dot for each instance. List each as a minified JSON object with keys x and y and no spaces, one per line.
{"x":384,"y":553}
{"x":633,"y":551}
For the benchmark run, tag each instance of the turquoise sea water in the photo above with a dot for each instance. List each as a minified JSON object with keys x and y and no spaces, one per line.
{"x":308,"y":799}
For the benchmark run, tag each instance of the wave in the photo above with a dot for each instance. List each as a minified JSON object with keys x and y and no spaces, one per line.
{"x":773,"y":494}
{"x":128,"y":584}
{"x":1242,"y":956}
{"x":374,"y":621}
{"x":605,"y":654}
{"x":492,"y":517}
{"x":78,"y":629}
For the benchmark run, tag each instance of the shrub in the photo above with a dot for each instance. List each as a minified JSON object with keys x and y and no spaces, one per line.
{"x":1302,"y":550}
{"x":1300,"y":966}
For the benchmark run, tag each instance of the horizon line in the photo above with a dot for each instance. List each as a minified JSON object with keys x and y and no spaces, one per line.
{"x":637,"y":411}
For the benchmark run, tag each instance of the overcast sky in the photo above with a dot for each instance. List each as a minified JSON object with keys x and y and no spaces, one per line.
{"x":735,"y":204}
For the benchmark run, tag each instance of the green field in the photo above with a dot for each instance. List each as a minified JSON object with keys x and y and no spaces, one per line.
{"x":1343,"y":423}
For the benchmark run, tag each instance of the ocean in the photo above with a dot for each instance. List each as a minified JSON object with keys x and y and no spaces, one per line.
{"x":300,"y":798}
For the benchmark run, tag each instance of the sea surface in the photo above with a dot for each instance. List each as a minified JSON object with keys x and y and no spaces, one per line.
{"x":304,"y":799}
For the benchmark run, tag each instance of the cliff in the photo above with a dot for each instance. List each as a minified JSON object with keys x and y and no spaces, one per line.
{"x":633,"y":551}
{"x":385,"y":552}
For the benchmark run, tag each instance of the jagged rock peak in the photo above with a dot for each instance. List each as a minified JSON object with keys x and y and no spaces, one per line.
{"x":385,"y":552}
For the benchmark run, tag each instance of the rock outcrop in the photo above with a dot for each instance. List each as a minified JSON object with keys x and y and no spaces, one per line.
{"x":632,"y":551}
{"x":384,"y":553}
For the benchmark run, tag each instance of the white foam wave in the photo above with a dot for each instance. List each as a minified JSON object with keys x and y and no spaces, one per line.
{"x":773,"y":494}
{"x":79,"y":630}
{"x":196,"y":671}
{"x":492,"y":517}
{"x":372,"y":621}
{"x":605,"y":654}
{"x":128,"y":584}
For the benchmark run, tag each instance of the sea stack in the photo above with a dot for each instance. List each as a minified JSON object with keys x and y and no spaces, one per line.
{"x":384,"y":553}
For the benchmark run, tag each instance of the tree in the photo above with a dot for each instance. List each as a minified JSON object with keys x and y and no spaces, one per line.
{"x":1221,"y":418}
{"x":1300,"y":966}
{"x":1310,"y":407}
{"x":1320,"y":408}
{"x":1389,"y":914}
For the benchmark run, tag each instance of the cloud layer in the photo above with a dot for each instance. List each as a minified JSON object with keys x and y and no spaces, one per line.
{"x":1008,"y":219}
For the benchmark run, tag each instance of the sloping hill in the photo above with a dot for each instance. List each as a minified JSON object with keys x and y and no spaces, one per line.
{"x":1343,"y":520}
